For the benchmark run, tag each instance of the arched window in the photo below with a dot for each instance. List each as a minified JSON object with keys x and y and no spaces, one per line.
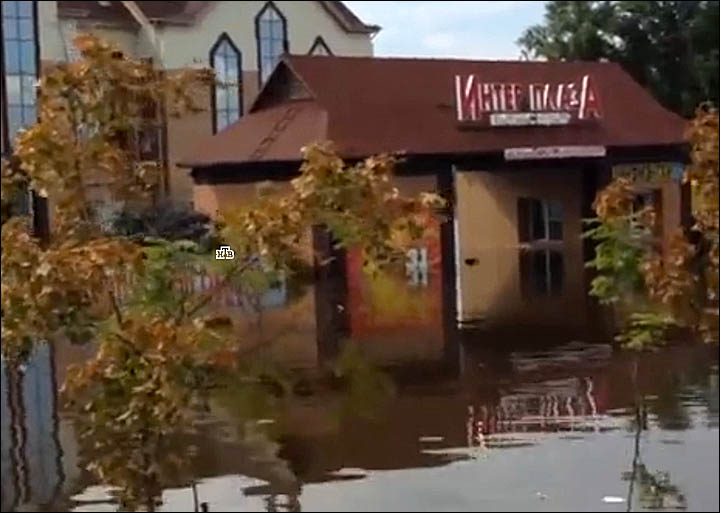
{"x":271,"y":35}
{"x":19,"y":66}
{"x":226,"y":60}
{"x":319,"y":47}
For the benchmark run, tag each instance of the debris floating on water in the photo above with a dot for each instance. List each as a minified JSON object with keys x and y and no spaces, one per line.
{"x":349,"y":472}
{"x":611,"y":499}
{"x":432,"y":439}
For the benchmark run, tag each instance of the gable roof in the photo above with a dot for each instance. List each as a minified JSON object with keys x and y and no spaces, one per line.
{"x":348,"y":20}
{"x":185,"y":13}
{"x":376,"y":105}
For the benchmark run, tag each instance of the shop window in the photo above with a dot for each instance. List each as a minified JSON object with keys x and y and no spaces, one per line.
{"x":539,"y":220}
{"x":271,"y":36}
{"x":542,"y":272}
{"x":226,"y":61}
{"x":319,"y":47}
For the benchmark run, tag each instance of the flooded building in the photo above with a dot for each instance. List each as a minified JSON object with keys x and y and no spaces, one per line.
{"x":519,"y":149}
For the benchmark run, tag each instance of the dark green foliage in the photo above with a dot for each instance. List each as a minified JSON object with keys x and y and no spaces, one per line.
{"x":669,"y":47}
{"x":618,"y":253}
{"x":165,"y":220}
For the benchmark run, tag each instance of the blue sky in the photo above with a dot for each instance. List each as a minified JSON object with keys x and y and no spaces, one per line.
{"x":480,"y":30}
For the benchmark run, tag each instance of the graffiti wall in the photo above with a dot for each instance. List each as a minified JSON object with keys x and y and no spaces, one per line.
{"x":397,"y":313}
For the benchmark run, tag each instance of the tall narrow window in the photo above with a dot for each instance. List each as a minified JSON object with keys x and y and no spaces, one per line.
{"x":271,"y":35}
{"x":20,"y":66}
{"x":319,"y":47}
{"x":226,"y":60}
{"x":542,"y":272}
{"x":540,"y":220}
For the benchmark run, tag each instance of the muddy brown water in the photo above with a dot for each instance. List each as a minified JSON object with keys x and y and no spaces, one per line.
{"x":499,"y":418}
{"x":550,"y":429}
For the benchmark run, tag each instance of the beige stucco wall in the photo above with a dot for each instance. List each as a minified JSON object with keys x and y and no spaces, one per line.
{"x":214,"y":199}
{"x":288,"y":333}
{"x":486,"y":217}
{"x":190,"y":46}
{"x":56,"y":35}
{"x":184,"y":132}
{"x":184,"y":47}
{"x":52,"y":47}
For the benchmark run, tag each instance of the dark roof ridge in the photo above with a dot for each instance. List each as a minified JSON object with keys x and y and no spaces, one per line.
{"x":448,"y":59}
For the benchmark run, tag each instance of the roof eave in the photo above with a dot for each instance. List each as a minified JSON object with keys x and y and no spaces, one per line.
{"x":348,"y":20}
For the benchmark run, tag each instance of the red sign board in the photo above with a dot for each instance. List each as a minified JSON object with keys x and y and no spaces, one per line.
{"x":512,"y":104}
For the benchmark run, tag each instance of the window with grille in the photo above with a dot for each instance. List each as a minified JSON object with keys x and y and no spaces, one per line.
{"x":540,"y":220}
{"x":271,"y":35}
{"x":542,"y":272}
{"x":19,"y":66}
{"x":542,"y":263}
{"x":226,"y":60}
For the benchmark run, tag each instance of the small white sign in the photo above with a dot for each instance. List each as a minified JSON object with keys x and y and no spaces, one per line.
{"x":611,"y":499}
{"x":224,"y":253}
{"x":530,"y":119}
{"x":554,"y":152}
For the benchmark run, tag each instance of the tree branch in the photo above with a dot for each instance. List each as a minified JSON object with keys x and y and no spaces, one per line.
{"x":208,"y":295}
{"x":116,"y":307}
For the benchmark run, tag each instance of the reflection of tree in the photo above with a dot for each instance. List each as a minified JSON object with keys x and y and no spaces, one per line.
{"x":655,"y":490}
{"x":141,"y":455}
{"x":291,"y":504}
{"x":668,"y":407}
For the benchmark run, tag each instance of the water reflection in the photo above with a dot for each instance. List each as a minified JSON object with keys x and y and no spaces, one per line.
{"x":31,"y":451}
{"x":423,"y":399}
{"x":523,"y":402}
{"x":655,"y":490}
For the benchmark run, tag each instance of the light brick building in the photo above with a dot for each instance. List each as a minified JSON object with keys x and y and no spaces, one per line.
{"x":242,"y":41}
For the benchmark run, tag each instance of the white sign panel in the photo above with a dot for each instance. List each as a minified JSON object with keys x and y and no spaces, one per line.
{"x":554,"y":152}
{"x":475,"y":98}
{"x":530,"y":119}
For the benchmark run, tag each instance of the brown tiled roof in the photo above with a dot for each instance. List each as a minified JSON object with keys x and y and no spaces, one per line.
{"x":185,"y":13}
{"x":376,"y":105}
{"x":276,"y":134}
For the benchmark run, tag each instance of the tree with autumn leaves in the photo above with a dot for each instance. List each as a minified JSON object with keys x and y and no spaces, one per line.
{"x":160,"y":347}
{"x":660,"y":294}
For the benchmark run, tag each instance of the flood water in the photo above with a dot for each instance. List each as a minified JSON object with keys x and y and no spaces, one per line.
{"x":530,"y":410}
{"x":575,"y":426}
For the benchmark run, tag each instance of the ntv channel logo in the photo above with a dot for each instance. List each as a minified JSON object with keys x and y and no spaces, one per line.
{"x":224,"y":253}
